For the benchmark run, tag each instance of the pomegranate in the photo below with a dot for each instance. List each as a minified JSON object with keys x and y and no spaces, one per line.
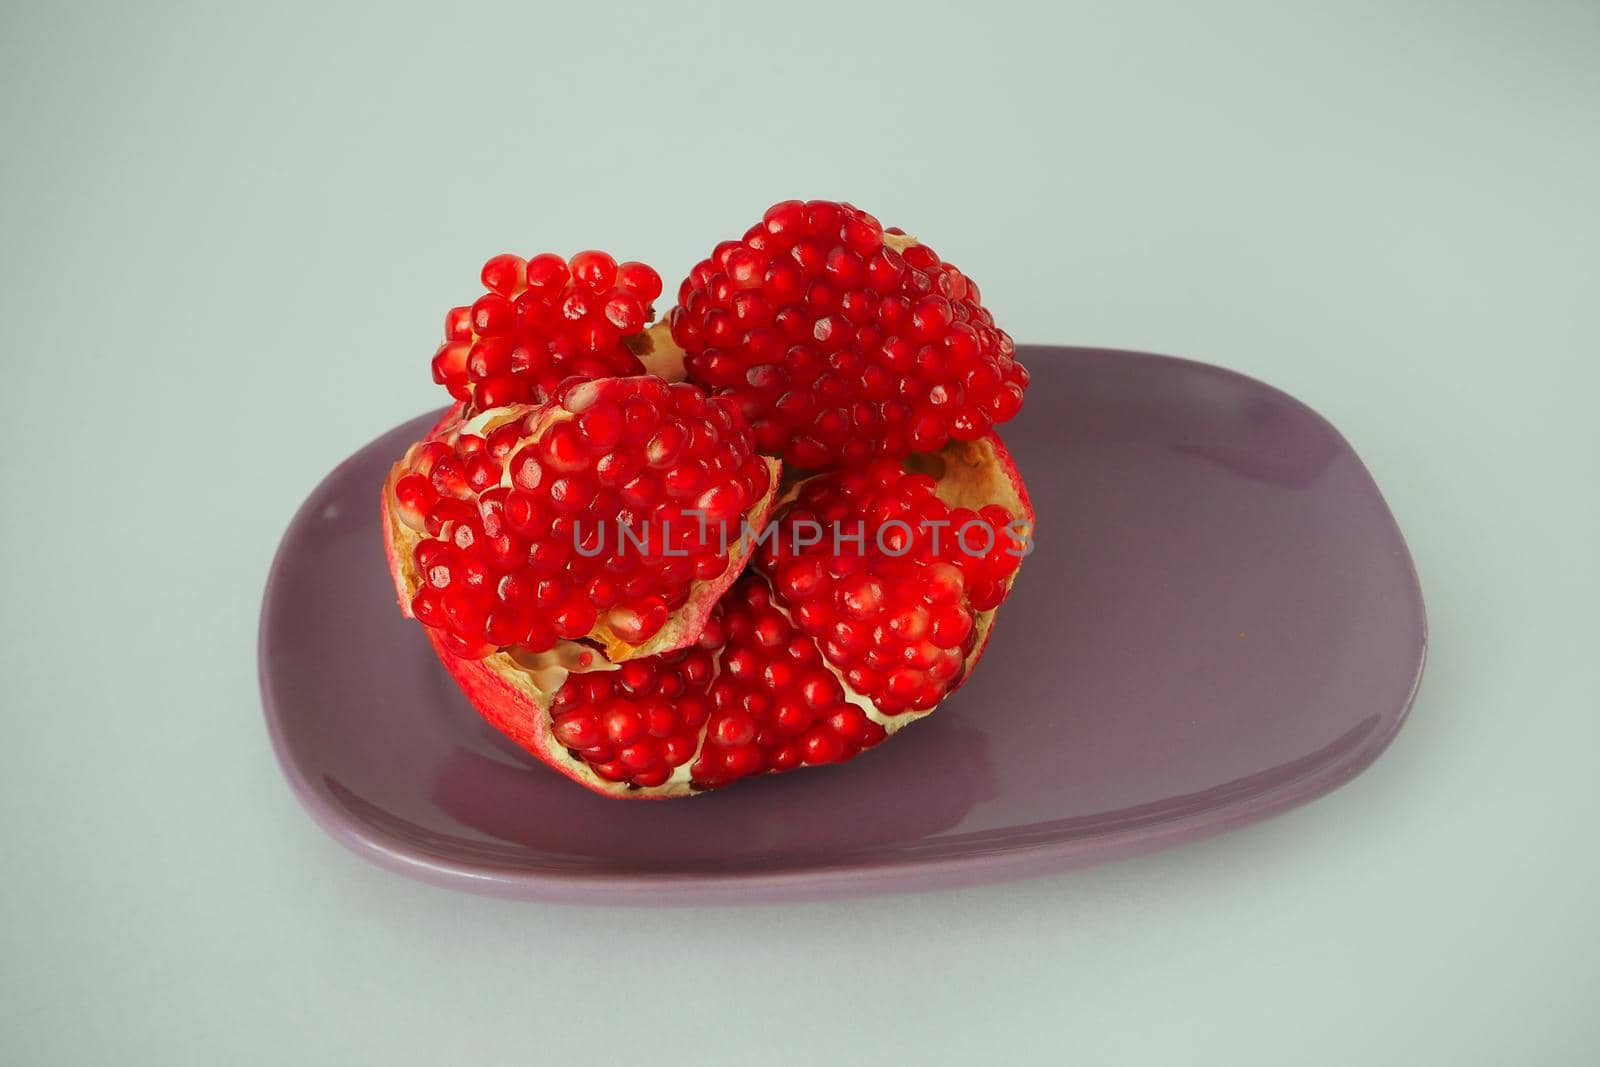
{"x":842,"y":341}
{"x":585,"y":535}
{"x":616,"y":513}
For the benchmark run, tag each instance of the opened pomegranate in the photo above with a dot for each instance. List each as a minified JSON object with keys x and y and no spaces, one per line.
{"x":585,"y":535}
{"x":842,"y":341}
{"x":616,"y":513}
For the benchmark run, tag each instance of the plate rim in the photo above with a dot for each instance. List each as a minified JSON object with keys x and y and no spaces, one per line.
{"x":831,"y":881}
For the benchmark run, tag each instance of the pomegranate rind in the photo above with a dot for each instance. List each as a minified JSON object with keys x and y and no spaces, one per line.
{"x":977,"y":473}
{"x":515,"y":702}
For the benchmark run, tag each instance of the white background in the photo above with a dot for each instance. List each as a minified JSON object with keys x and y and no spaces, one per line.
{"x":226,"y":239}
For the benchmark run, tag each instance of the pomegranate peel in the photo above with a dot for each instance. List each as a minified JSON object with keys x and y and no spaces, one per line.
{"x":514,"y":697}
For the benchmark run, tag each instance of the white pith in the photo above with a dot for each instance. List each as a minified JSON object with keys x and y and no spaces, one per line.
{"x":899,"y":241}
{"x":659,"y":353}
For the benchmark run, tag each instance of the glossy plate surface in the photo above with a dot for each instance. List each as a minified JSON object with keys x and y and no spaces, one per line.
{"x":1220,"y":621}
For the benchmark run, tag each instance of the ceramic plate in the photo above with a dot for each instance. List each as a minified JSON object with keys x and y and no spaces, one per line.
{"x":1220,"y":621}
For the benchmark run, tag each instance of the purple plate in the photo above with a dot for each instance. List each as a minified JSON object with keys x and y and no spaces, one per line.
{"x":1220,"y":621}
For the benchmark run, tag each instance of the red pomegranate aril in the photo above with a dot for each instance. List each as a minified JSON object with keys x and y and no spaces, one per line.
{"x":504,"y":274}
{"x":821,"y":746}
{"x":639,"y":279}
{"x":582,"y":730}
{"x":636,"y":623}
{"x":861,"y":597}
{"x":734,"y":729}
{"x":416,"y":495}
{"x":577,"y":306}
{"x":622,"y":724}
{"x":595,"y":271}
{"x":627,"y":313}
{"x":642,"y":756}
{"x":547,"y":273}
{"x":450,"y":367}
{"x":458,"y":324}
{"x":944,"y":582}
{"x":677,"y":750}
{"x":574,"y":618}
{"x":949,"y":627}
{"x":425,"y":607}
{"x":493,"y":316}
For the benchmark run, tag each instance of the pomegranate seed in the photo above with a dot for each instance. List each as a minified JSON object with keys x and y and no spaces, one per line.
{"x":636,"y":623}
{"x":639,"y":279}
{"x":458,"y":324}
{"x":595,"y":271}
{"x":548,"y":273}
{"x":505,"y":274}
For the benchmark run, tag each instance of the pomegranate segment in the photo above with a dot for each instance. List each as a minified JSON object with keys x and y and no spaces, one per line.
{"x":775,"y":705}
{"x":890,"y":579}
{"x":637,"y":724}
{"x":543,"y":321}
{"x":604,"y":515}
{"x":842,"y":341}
